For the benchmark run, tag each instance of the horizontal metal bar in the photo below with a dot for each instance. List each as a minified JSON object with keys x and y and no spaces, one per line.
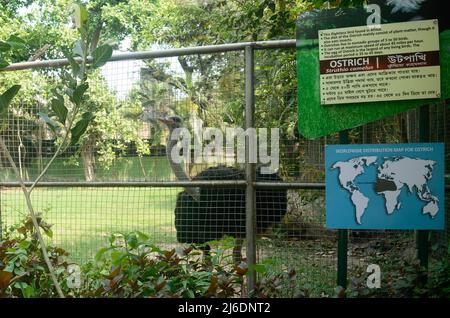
{"x":106,"y":184}
{"x":290,"y":185}
{"x":175,"y":184}
{"x":168,"y":184}
{"x":207,"y":49}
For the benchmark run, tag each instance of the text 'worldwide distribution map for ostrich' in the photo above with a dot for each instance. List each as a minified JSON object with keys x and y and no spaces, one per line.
{"x":390,"y":186}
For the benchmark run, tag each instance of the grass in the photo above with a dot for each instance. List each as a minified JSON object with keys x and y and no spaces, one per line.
{"x":84,"y":218}
{"x":314,"y":265}
{"x":122,"y":169}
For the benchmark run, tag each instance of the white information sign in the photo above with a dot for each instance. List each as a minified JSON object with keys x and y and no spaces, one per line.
{"x":395,"y":61}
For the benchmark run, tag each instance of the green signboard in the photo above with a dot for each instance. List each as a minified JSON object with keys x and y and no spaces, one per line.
{"x":351,"y":72}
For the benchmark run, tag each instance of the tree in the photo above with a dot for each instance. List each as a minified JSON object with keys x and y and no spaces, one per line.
{"x":214,"y":83}
{"x":46,"y":35}
{"x":67,"y":119}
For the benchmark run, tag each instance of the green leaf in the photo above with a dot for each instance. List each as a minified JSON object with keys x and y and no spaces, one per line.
{"x":28,"y":292}
{"x":190,"y":294}
{"x":3,"y":64}
{"x":57,"y":105}
{"x":259,"y":268}
{"x":4,"y":47}
{"x":50,"y":122}
{"x":20,"y":285}
{"x":81,"y":127}
{"x":80,"y":15}
{"x":24,"y":244}
{"x":78,"y":93}
{"x":142,"y":236}
{"x":117,"y":257}
{"x":132,"y":241}
{"x":76,"y":70}
{"x":101,"y":252}
{"x":19,"y":271}
{"x":49,"y":233}
{"x":16,"y":43}
{"x":101,"y":55}
{"x":6,"y":98}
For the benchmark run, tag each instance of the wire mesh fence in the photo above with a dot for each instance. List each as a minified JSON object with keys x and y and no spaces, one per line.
{"x":204,"y":90}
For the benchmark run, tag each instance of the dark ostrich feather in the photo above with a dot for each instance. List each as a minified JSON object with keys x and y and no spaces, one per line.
{"x":220,"y":211}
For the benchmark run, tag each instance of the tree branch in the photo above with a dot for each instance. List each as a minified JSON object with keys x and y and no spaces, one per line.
{"x":33,"y":218}
{"x":56,"y":154}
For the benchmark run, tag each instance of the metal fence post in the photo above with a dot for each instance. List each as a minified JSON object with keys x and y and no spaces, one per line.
{"x":1,"y":220}
{"x":250,"y":171}
{"x":423,"y":235}
{"x":342,"y":236}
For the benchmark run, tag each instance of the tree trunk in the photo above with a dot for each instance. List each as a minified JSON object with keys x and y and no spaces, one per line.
{"x":88,"y":164}
{"x":88,"y":158}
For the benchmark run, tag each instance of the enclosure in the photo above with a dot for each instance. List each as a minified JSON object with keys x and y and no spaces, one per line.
{"x":118,"y":178}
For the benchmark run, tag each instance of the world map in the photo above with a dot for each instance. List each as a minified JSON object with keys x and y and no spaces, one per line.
{"x":393,"y":175}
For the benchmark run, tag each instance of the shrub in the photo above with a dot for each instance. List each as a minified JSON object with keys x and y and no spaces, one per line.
{"x":133,"y":267}
{"x":408,"y":280}
{"x":23,"y":272}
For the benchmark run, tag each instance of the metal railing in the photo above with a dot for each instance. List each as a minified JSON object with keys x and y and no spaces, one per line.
{"x":144,"y":55}
{"x":249,"y":182}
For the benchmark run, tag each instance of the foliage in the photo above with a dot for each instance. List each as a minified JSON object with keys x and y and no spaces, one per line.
{"x":76,"y":86}
{"x":23,"y":270}
{"x":407,"y":279}
{"x":72,"y":109}
{"x":46,"y":31}
{"x":115,"y":126}
{"x":130,"y":267}
{"x":13,"y":43}
{"x":133,"y":267}
{"x":274,"y":283}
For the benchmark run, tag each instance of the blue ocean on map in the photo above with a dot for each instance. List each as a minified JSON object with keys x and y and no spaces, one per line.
{"x":385,"y":186}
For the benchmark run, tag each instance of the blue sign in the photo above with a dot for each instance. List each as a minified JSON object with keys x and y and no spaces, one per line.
{"x":385,"y":186}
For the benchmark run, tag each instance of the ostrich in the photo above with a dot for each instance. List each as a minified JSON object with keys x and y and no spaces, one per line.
{"x":206,"y":214}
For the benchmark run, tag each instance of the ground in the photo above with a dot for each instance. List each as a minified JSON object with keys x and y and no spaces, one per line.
{"x":84,"y":218}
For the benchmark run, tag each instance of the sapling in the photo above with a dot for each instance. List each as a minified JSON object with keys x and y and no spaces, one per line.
{"x":69,"y":123}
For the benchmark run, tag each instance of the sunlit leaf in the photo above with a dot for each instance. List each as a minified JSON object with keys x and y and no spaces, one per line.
{"x":49,"y":233}
{"x":80,"y":15}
